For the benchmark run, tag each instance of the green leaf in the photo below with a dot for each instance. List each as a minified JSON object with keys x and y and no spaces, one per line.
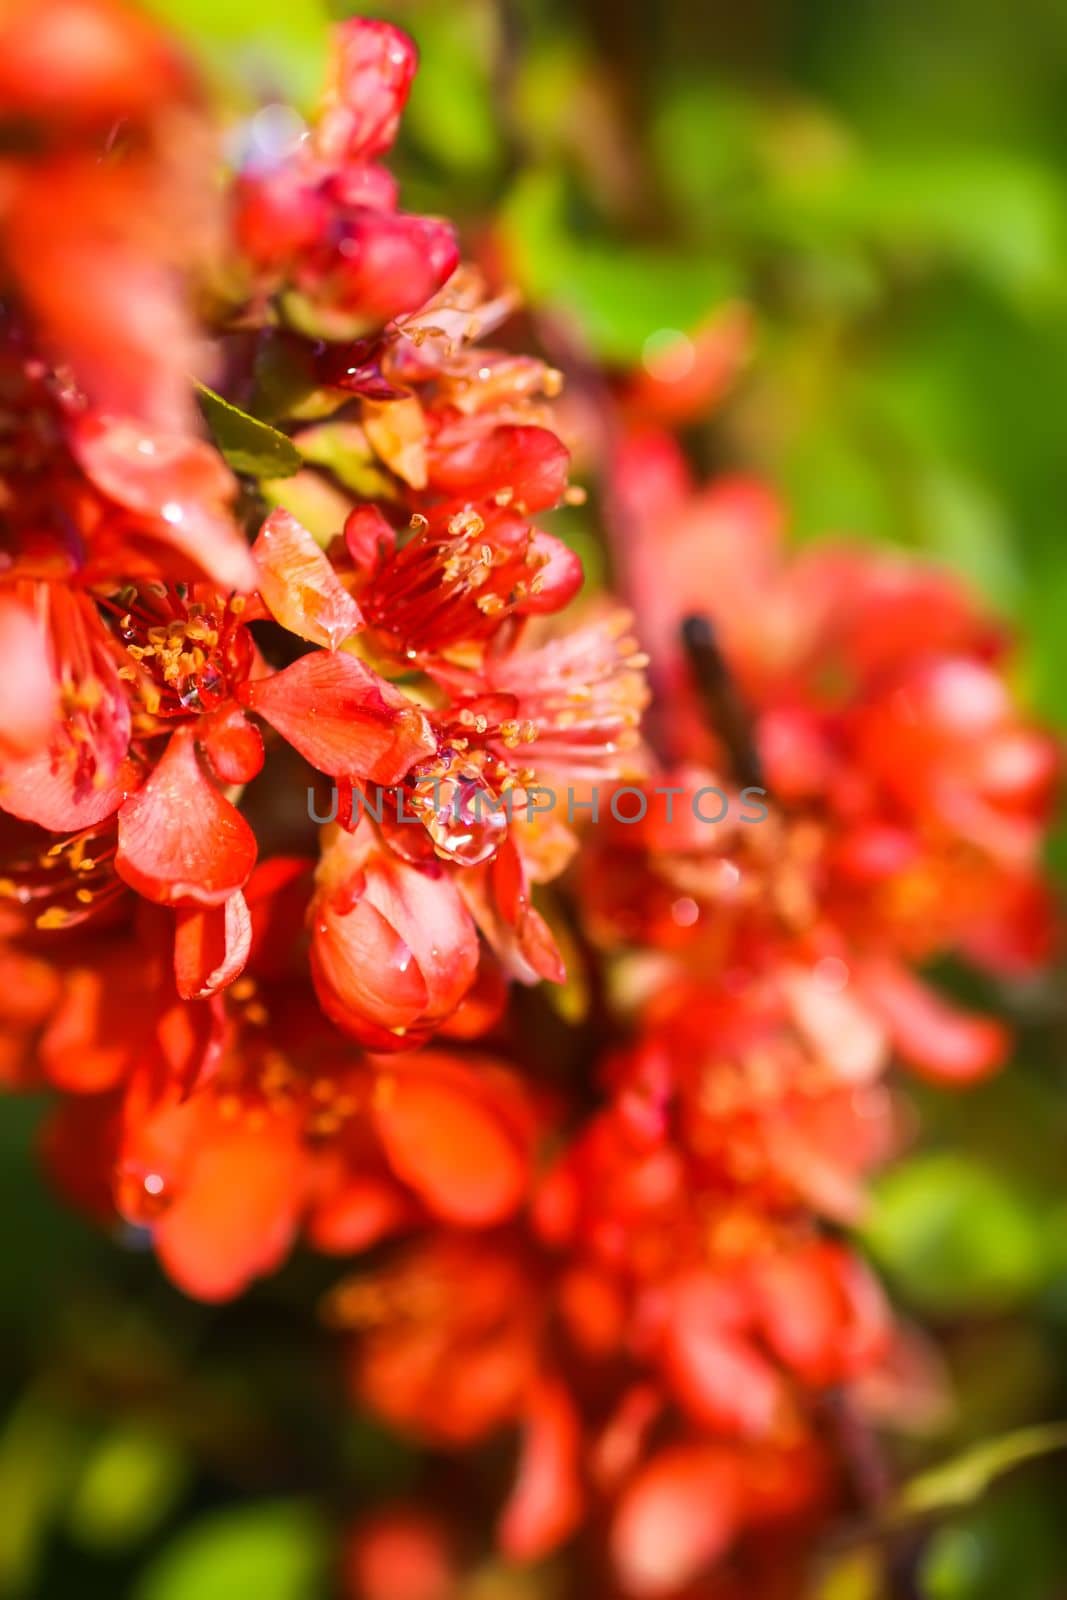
{"x":954,"y":1236}
{"x":266,"y":47}
{"x":619,"y":295}
{"x":451,"y":114}
{"x":1010,"y":1545}
{"x":250,"y":446}
{"x":128,"y":1488}
{"x":41,"y":1450}
{"x":273,"y":1550}
{"x":964,"y":1479}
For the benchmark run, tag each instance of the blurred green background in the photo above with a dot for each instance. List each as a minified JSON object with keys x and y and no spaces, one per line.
{"x":884,"y":182}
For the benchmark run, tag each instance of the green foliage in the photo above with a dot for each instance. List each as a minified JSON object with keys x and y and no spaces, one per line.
{"x":264,"y":1551}
{"x":260,"y":49}
{"x":954,"y":1236}
{"x":616,"y":296}
{"x":965,"y":1479}
{"x":128,"y":1487}
{"x":250,"y":446}
{"x":1012,"y":1546}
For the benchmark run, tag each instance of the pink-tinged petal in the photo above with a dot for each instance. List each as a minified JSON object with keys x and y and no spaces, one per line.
{"x":177,"y":481}
{"x":938,"y":1039}
{"x":719,"y":1376}
{"x":232,"y":744}
{"x":676,"y":1517}
{"x":821,"y":1312}
{"x":180,"y":841}
{"x":343,"y":718}
{"x":44,"y":788}
{"x":426,"y":910}
{"x":546,"y":1501}
{"x":26,"y":718}
{"x":82,"y":774}
{"x":443,"y":1135}
{"x":300,"y":586}
{"x":840,"y":1028}
{"x":211,"y":945}
{"x":373,"y":64}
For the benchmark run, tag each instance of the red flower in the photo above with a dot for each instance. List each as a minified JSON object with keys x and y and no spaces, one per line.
{"x":393,"y":948}
{"x":319,"y":221}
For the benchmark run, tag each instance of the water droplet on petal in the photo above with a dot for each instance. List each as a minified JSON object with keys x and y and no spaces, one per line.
{"x":140,"y":1197}
{"x":468,"y":823}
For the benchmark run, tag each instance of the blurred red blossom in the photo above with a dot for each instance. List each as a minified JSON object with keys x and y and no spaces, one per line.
{"x":618,"y":1232}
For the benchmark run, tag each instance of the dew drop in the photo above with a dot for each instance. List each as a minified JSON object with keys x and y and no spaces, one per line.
{"x":467,"y":823}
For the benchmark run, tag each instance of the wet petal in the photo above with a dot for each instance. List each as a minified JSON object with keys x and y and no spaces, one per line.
{"x":300,"y":586}
{"x":343,"y":718}
{"x":180,"y":841}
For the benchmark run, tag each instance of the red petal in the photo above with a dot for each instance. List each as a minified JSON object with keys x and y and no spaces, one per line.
{"x":365,"y":1210}
{"x":537,"y":944}
{"x":43,"y":788}
{"x":86,"y":62}
{"x":821,"y":1312}
{"x":364,"y":973}
{"x":838,"y":1025}
{"x":181,"y":483}
{"x":369,"y":539}
{"x":721,"y":1378}
{"x":443,"y":1136}
{"x":233,"y":746}
{"x":343,"y":718}
{"x":938,"y":1039}
{"x":529,"y":461}
{"x":180,"y":841}
{"x":300,"y":586}
{"x":399,"y":1553}
{"x":211,"y":945}
{"x":675,"y":1518}
{"x":559,"y":577}
{"x":545,"y":1503}
{"x":235,"y":1215}
{"x":373,"y":65}
{"x":26,"y":718}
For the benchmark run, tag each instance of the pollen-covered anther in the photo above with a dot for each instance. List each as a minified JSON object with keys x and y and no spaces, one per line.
{"x":467,"y":524}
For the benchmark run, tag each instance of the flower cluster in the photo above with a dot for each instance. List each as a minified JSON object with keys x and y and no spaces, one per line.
{"x":626,"y":1247}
